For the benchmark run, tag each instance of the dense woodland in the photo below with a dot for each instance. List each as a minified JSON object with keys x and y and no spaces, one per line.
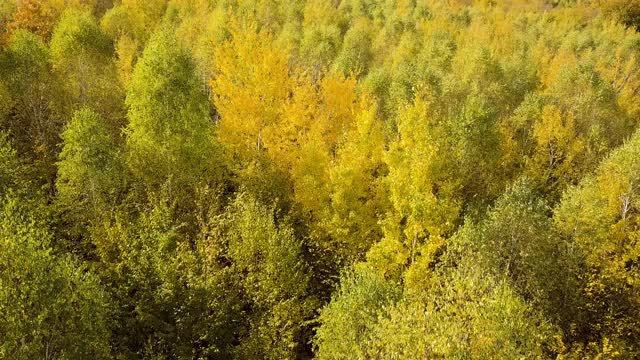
{"x":340,"y":179}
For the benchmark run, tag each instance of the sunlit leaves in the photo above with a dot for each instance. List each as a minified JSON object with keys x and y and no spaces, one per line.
{"x":170,"y":132}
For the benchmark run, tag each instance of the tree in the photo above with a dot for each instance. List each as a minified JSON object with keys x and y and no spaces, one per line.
{"x":9,"y":164}
{"x":52,"y":306}
{"x":278,"y":129}
{"x":134,"y":18}
{"x":90,"y":172}
{"x":357,"y":195}
{"x":6,"y":103}
{"x":447,"y":308}
{"x":38,"y":17}
{"x":273,"y":277}
{"x":599,"y":218}
{"x":82,"y":55}
{"x":170,"y":130}
{"x":466,"y":315}
{"x":34,"y":121}
{"x":355,"y":55}
{"x":517,"y":242}
{"x":562,"y":131}
{"x":251,"y":86}
{"x":347,"y":324}
{"x":322,"y":30}
{"x":424,"y":184}
{"x":628,"y":12}
{"x":7,"y":9}
{"x":173,"y":294}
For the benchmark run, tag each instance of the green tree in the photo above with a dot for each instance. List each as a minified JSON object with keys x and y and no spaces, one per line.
{"x":517,"y":242}
{"x":52,"y":308}
{"x":355,"y":55}
{"x":347,"y":324}
{"x":322,"y":31}
{"x":9,"y":164}
{"x":82,"y":54}
{"x":466,"y":315}
{"x":269,"y":264}
{"x":90,"y":173}
{"x":135,"y":18}
{"x":599,"y":218}
{"x":33,"y":121}
{"x":174,"y":296}
{"x":170,"y":130}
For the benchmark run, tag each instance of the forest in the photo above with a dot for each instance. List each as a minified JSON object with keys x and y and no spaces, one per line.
{"x":330,"y":179}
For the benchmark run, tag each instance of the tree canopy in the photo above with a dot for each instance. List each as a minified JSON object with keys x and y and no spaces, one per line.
{"x":347,"y":179}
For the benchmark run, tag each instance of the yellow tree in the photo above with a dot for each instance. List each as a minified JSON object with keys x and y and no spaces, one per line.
{"x":274,"y":120}
{"x":313,"y":143}
{"x":250,"y":86}
{"x":423,"y":185}
{"x":358,"y":196}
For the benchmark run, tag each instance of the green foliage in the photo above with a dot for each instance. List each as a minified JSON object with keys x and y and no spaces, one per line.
{"x":356,"y":49}
{"x":170,"y":132}
{"x":134,"y":18}
{"x":82,"y":54}
{"x":9,"y":164}
{"x":90,"y":172}
{"x":599,"y":218}
{"x":32,"y":119}
{"x":78,"y":34}
{"x":347,"y":324}
{"x":371,"y":318}
{"x":6,"y":103}
{"x":267,"y":259}
{"x":52,"y":307}
{"x":517,"y":242}
{"x":173,"y":297}
{"x":322,"y":31}
{"x":467,"y":316}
